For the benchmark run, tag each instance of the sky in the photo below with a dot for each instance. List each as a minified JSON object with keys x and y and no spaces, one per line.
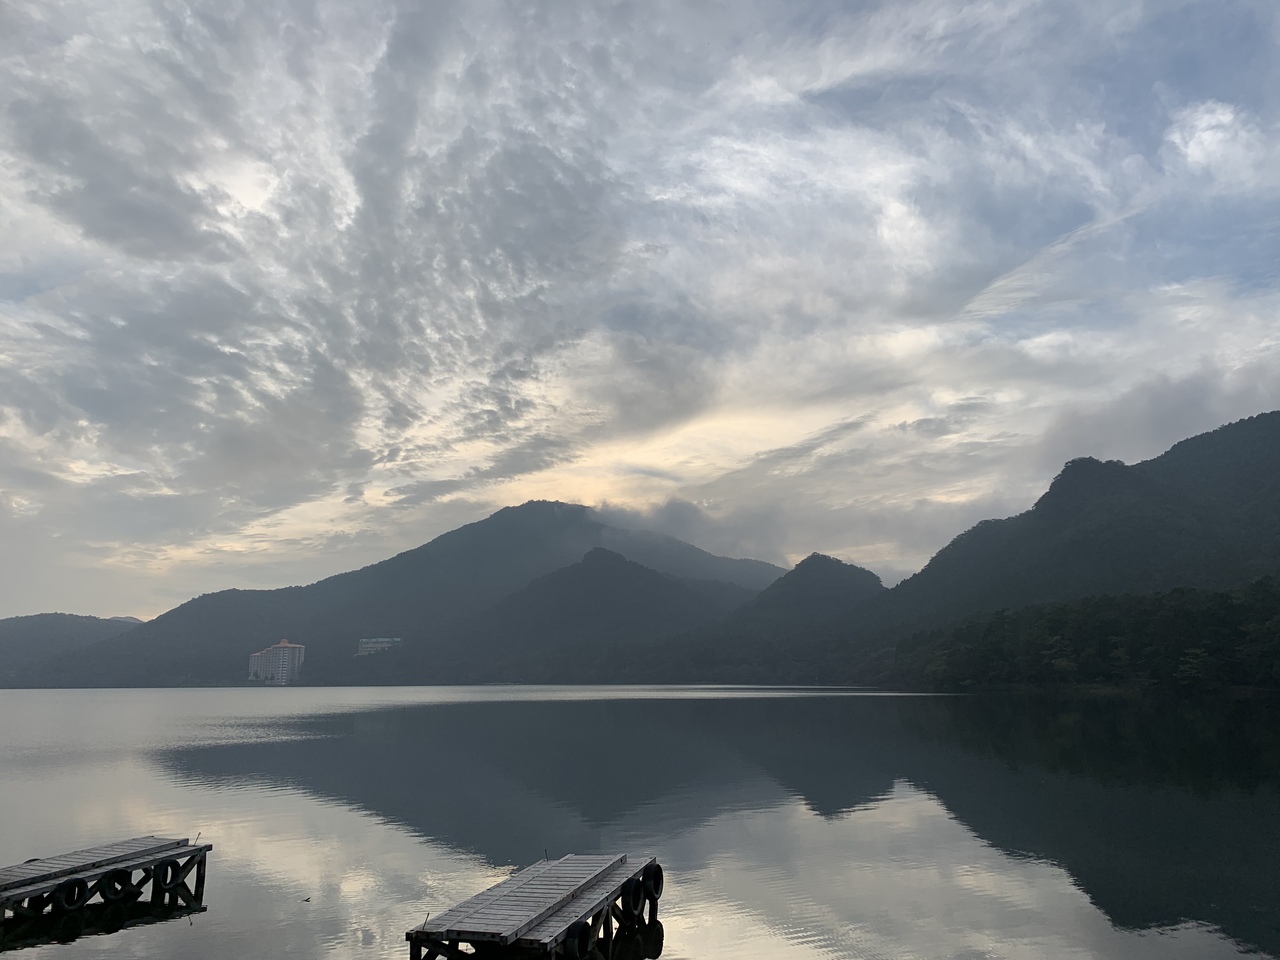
{"x":288,"y":287}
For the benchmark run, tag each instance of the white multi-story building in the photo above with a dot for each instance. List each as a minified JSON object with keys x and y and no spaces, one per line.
{"x":279,"y":664}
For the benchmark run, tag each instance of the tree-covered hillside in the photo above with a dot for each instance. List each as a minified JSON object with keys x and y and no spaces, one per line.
{"x":1204,"y":514}
{"x":422,"y":595}
{"x":28,"y":641}
{"x":584,"y":621}
{"x":1182,"y":637}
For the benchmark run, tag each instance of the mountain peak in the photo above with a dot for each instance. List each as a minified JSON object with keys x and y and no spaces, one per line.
{"x":546,"y":508}
{"x":1083,"y":480}
{"x":600,"y":556}
{"x":818,"y":561}
{"x":817,"y":587}
{"x":829,"y":577}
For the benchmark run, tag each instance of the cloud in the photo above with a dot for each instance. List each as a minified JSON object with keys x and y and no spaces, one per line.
{"x":285,"y":290}
{"x":1226,"y":145}
{"x":1155,"y":414}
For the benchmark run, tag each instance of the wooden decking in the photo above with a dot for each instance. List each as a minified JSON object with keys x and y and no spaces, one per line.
{"x":37,"y":872}
{"x":100,"y":887}
{"x":531,"y":913}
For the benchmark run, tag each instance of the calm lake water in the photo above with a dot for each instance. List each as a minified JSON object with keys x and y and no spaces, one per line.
{"x":790,"y":825}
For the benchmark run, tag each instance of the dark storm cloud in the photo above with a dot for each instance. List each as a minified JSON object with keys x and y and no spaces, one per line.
{"x":299,"y":284}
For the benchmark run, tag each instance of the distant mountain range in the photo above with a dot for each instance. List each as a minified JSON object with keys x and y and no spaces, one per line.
{"x":443,"y":589}
{"x":588,"y":616}
{"x":28,"y":642}
{"x":549,"y":592}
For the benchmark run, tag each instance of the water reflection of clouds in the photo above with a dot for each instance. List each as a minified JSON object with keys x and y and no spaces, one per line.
{"x":898,"y":878}
{"x":755,"y":867}
{"x":368,"y":881}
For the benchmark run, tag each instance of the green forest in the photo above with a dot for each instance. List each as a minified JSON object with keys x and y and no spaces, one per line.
{"x":1182,"y":637}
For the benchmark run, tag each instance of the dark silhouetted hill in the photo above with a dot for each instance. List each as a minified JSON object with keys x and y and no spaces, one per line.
{"x":771,"y":637}
{"x":423,"y":593}
{"x":25,"y":641}
{"x":1204,"y":514}
{"x":577,"y":621}
{"x":1187,"y":638}
{"x":816,"y":589}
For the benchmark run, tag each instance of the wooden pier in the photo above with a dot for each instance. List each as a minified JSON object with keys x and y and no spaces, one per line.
{"x":575,"y":907}
{"x":101,"y":889}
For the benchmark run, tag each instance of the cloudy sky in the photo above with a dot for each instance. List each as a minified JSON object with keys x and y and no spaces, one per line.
{"x":287,"y":287}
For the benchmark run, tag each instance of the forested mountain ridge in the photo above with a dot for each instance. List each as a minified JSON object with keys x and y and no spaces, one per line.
{"x":1205,"y":514}
{"x":585,"y":620}
{"x":549,"y":592}
{"x":25,"y":641}
{"x":1183,"y":637}
{"x":817,"y":588}
{"x":426,"y":592}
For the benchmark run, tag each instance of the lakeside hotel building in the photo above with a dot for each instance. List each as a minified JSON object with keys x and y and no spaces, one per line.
{"x":279,"y":664}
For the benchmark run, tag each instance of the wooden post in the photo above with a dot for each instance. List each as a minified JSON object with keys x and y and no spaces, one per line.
{"x":157,"y":895}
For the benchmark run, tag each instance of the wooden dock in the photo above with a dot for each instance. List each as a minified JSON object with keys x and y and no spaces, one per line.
{"x":566,"y":907}
{"x":101,"y":888}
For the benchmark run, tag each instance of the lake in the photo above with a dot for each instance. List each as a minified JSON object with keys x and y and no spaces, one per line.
{"x":791,"y":824}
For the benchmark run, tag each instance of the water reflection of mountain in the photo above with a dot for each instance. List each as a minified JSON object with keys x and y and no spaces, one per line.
{"x":1160,"y":814}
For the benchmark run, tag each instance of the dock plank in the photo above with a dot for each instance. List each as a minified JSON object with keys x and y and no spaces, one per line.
{"x":507,"y":911}
{"x":598,"y":894}
{"x":63,"y":865}
{"x":133,"y":861}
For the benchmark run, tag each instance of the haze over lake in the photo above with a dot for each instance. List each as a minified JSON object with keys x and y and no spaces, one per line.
{"x":791,"y":823}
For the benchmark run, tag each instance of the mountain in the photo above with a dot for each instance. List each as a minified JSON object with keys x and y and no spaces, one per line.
{"x":1205,"y":514}
{"x":817,"y":588}
{"x":571,"y":624}
{"x":603,"y":594}
{"x":1186,"y":638}
{"x":774,"y":637}
{"x":529,"y":585}
{"x":25,"y":641}
{"x":422,"y":593}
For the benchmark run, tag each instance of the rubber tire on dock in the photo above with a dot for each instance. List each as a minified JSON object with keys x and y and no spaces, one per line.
{"x":114,"y":917}
{"x":167,"y":875}
{"x":652,"y":880}
{"x":632,"y":899}
{"x":70,"y":894}
{"x":68,"y":926}
{"x":115,"y":885}
{"x":652,"y":938}
{"x":577,"y":942}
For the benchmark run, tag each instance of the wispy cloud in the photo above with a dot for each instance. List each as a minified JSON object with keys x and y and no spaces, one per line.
{"x":288,"y":288}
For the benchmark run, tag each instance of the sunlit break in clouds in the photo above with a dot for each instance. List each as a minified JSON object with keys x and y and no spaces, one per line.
{"x":286,"y":287}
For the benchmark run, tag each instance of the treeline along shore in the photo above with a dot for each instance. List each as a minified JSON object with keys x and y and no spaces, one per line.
{"x":1183,"y":637}
{"x":1160,"y":573}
